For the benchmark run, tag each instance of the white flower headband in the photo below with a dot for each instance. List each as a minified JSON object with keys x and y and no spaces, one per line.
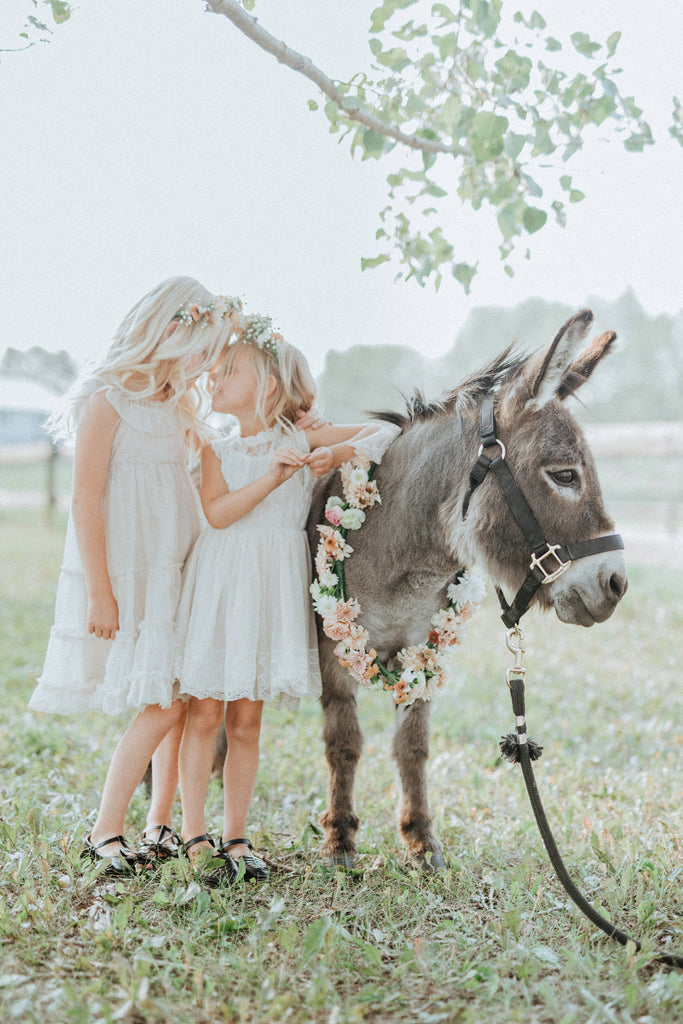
{"x":258,"y":330}
{"x":222,"y":308}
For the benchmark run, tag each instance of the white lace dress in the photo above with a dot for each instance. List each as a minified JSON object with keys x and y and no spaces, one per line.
{"x":152,"y":515}
{"x":245,"y":621}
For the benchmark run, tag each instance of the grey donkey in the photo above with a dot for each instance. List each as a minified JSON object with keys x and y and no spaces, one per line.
{"x":412,"y":545}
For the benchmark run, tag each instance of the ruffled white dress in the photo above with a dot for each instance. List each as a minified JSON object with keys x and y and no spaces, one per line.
{"x":152,"y":516}
{"x":245,"y":622}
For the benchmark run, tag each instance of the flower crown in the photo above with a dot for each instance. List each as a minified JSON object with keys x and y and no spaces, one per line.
{"x":221,"y":309}
{"x":258,"y":330}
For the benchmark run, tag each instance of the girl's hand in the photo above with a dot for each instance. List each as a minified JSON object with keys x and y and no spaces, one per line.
{"x":320,"y":461}
{"x":285,"y":463}
{"x":103,"y":616}
{"x":311,"y":420}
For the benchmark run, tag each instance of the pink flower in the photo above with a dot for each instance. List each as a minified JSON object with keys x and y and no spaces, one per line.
{"x":347,"y":610}
{"x":333,"y":515}
{"x":337,"y":629}
{"x":335,"y":546}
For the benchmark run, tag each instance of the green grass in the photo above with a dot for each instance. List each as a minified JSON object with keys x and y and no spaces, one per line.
{"x":492,"y":939}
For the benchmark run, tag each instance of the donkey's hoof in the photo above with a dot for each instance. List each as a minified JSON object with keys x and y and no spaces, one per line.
{"x":430,"y":862}
{"x":344,"y":860}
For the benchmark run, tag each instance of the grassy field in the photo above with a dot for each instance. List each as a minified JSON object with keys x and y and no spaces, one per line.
{"x":493,"y":939}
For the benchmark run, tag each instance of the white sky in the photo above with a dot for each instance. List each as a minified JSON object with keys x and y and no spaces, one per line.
{"x":149,"y":139}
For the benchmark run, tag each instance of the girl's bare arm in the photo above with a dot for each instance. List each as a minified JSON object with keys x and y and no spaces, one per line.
{"x":94,"y":439}
{"x":329,"y":447}
{"x":222,"y":507}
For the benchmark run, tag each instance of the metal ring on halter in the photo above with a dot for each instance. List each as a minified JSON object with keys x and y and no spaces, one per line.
{"x":500,"y":445}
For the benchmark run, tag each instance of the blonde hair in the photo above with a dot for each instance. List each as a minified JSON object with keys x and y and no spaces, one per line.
{"x":144,"y":358}
{"x":294,"y":384}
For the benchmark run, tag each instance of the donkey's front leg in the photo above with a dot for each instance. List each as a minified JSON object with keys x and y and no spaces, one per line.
{"x":343,"y":744}
{"x":411,"y":749}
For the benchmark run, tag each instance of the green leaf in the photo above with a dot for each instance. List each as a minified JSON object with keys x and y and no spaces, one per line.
{"x":514,"y":144}
{"x":543,"y":142}
{"x":312,"y":105}
{"x":560,"y":213}
{"x":552,"y":44}
{"x":575,"y":196}
{"x":584,"y":45}
{"x":601,"y":109}
{"x":487,"y":135}
{"x":515,"y":70}
{"x":60,"y":11}
{"x":508,"y":221}
{"x":534,"y":219}
{"x":375,"y":261}
{"x":442,"y":11}
{"x":572,"y":148}
{"x":397,"y":59}
{"x":676,"y":128}
{"x":381,"y":15}
{"x":566,"y":181}
{"x":464,"y":273}
{"x":373,"y":143}
{"x":508,"y":270}
{"x":612,"y":43}
{"x":447,"y":45}
{"x":450,"y":114}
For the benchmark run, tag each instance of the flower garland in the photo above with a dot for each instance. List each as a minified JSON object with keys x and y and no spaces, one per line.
{"x":222,"y":308}
{"x":254,"y":329}
{"x":424,"y":667}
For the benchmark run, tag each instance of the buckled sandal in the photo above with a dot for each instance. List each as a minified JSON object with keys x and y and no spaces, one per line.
{"x":120,"y":863}
{"x":155,"y":850}
{"x":254,"y":867}
{"x":219,"y":869}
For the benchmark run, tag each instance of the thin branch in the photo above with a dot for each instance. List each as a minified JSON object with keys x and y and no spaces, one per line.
{"x":249,"y":26}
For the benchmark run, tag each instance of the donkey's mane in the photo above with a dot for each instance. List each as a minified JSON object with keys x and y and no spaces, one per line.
{"x":504,"y":368}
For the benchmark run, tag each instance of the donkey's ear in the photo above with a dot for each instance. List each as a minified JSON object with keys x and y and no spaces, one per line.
{"x":582,"y":367}
{"x":544,"y":371}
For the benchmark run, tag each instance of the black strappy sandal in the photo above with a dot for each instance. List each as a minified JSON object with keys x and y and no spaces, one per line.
{"x":164,"y":847}
{"x":220,"y":869}
{"x":120,"y":863}
{"x":254,"y":867}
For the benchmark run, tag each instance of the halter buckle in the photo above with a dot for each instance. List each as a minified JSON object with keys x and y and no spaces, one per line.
{"x":500,"y":445}
{"x":553,"y":573}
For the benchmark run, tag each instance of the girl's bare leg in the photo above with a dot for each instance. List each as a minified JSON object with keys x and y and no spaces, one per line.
{"x":165,"y":775}
{"x":127,"y":767}
{"x":196,"y":761}
{"x":243,"y":730}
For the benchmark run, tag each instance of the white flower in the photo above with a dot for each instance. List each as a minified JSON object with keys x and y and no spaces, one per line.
{"x":469,"y":589}
{"x":419,"y":690}
{"x":328,"y":579}
{"x":352,"y":519}
{"x":325,"y":605}
{"x":315,"y":591}
{"x":358,"y":476}
{"x":333,"y":502}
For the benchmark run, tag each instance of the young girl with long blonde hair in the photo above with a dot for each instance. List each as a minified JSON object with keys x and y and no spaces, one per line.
{"x":246,"y":632}
{"x":134,"y":516}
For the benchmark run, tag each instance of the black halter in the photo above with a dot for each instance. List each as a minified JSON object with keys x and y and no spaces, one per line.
{"x":548,"y":561}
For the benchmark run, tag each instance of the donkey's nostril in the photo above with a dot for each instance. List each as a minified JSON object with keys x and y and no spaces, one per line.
{"x":618,"y":585}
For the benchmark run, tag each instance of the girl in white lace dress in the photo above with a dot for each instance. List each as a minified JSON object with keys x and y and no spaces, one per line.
{"x":246,"y":632}
{"x":135,"y":514}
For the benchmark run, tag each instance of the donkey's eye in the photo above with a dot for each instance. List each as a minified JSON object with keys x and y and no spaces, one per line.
{"x":565,"y":477}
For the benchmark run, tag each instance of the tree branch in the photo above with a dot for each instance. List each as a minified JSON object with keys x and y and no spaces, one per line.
{"x":249,"y":26}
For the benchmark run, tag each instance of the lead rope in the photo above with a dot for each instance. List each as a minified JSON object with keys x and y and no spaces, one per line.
{"x":517,"y":747}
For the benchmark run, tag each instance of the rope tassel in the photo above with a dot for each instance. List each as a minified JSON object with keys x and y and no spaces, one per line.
{"x":509,"y":748}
